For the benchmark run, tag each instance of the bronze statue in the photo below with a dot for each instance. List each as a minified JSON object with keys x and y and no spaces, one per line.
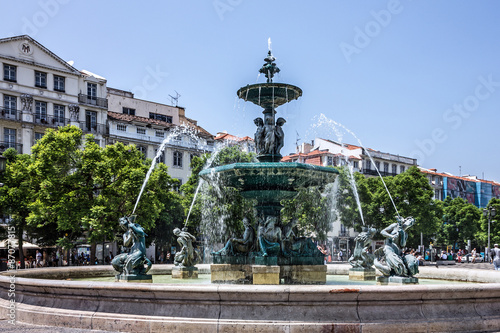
{"x":389,"y":259}
{"x":270,"y":237}
{"x":187,"y":256}
{"x":361,"y":257}
{"x":132,"y":263}
{"x":239,"y":246}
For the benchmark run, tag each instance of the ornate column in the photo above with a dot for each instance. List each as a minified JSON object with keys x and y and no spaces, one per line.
{"x":74,"y":114}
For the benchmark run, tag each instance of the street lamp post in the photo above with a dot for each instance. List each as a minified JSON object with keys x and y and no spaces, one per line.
{"x":489,"y":213}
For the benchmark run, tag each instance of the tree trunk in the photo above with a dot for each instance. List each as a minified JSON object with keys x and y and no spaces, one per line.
{"x":92,"y":253}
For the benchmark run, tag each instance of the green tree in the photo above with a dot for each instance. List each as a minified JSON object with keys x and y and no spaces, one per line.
{"x":86,"y":188}
{"x":482,"y":233}
{"x":16,"y":195}
{"x":460,"y":222}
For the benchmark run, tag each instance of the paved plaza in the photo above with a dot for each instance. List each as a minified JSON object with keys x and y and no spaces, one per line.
{"x":25,"y":328}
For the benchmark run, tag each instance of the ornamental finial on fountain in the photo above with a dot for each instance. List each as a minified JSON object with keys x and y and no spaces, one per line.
{"x":269,"y":68}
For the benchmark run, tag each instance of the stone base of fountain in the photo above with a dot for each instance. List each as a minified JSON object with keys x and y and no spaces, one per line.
{"x":362,"y":274}
{"x":184,"y":272}
{"x":263,"y":274}
{"x":258,"y":274}
{"x":231,"y":273}
{"x":396,"y":280}
{"x":143,"y":278}
{"x":303,"y":274}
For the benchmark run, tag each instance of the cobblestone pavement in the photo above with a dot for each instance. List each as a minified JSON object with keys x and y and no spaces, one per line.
{"x":25,"y":328}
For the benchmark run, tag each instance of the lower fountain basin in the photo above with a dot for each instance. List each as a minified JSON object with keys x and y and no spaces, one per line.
{"x":134,"y":307}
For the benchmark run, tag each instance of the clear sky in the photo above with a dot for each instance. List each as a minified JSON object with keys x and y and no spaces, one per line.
{"x":414,"y":78}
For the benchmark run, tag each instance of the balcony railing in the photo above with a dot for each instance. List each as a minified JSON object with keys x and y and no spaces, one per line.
{"x":91,"y":100}
{"x":51,"y":121}
{"x":375,"y":173}
{"x":4,"y":145}
{"x":94,"y":128}
{"x":6,"y":113}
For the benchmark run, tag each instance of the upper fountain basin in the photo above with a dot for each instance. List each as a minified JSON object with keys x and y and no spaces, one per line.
{"x":269,"y":95}
{"x":264,"y":180}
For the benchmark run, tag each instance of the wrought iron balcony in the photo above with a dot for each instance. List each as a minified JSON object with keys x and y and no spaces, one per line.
{"x":91,"y":100}
{"x":4,"y":145}
{"x":51,"y":121}
{"x":94,"y":128}
{"x":7,"y":113}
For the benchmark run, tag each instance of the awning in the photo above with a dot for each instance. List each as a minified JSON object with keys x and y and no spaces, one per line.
{"x":15,"y":245}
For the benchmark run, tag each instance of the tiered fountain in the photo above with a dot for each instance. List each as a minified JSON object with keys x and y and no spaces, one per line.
{"x":274,"y":255}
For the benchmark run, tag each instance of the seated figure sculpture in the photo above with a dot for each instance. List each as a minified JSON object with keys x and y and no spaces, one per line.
{"x":187,"y":256}
{"x":132,"y":263}
{"x":389,"y":259}
{"x":240,"y":246}
{"x":361,"y":257}
{"x":270,"y":237}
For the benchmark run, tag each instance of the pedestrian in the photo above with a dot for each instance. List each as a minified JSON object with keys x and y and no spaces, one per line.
{"x":473,"y":255}
{"x":38,"y":257}
{"x":341,"y":256}
{"x":496,"y":257}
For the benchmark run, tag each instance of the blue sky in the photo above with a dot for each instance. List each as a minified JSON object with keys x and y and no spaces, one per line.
{"x":415,"y":78}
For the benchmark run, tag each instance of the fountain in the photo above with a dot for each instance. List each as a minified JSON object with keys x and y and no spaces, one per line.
{"x":275,"y":256}
{"x":47,"y":296}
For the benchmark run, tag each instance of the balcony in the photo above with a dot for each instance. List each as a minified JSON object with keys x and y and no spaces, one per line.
{"x":4,"y":145}
{"x":371,"y":172}
{"x":94,"y":128}
{"x":7,"y":113}
{"x":91,"y":100}
{"x":51,"y":121}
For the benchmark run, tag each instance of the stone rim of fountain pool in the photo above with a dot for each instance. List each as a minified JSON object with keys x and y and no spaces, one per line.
{"x":229,"y":308}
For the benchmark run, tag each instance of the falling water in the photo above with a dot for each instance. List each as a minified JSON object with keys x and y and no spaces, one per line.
{"x":324,"y":120}
{"x":176,"y":132}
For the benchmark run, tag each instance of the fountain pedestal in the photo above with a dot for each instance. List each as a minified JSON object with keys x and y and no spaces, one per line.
{"x":396,"y":280}
{"x":143,"y":278}
{"x":362,"y":274}
{"x":184,"y":272}
{"x":304,"y":274}
{"x":232,"y":274}
{"x":266,"y":274}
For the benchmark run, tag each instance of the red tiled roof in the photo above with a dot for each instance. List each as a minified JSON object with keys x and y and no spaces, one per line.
{"x":430,"y":172}
{"x":230,"y":137}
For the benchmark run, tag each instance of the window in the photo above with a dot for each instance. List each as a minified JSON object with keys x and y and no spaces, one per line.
{"x":329,"y":160}
{"x":161,"y":117}
{"x":121,"y":127}
{"x":59,"y":114}
{"x":9,"y":73}
{"x":160,"y":134}
{"x":386,"y":167}
{"x":368,"y":165}
{"x":91,"y":120}
{"x":394,"y":169}
{"x":141,"y":130}
{"x":9,"y":106}
{"x":40,"y":79}
{"x":355,"y":164}
{"x":178,"y":159}
{"x":161,"y":158}
{"x":38,"y":136}
{"x":377,"y":165}
{"x":401,"y":168}
{"x":10,"y":137}
{"x":143,"y":150}
{"x":41,"y":112}
{"x":177,"y":187}
{"x":92,"y":91}
{"x":59,"y":83}
{"x":129,"y":111}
